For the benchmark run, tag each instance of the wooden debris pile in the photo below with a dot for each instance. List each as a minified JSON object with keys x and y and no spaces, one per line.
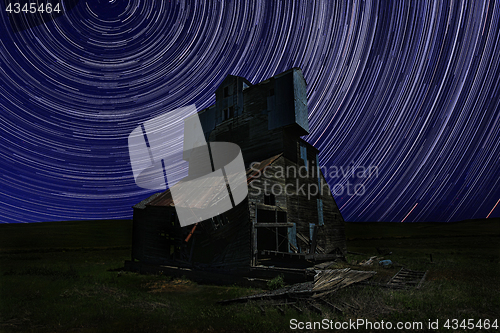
{"x":329,"y":281}
{"x":311,"y":295}
{"x":325,"y":282}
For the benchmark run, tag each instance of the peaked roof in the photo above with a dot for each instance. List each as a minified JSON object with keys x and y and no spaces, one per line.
{"x":232,"y":77}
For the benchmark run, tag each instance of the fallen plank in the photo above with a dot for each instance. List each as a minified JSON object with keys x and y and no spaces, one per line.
{"x":422,"y":280}
{"x":333,"y":306}
{"x":314,"y":308}
{"x":299,"y":310}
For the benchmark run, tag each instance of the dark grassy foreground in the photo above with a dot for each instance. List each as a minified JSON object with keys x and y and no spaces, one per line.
{"x":65,"y":276}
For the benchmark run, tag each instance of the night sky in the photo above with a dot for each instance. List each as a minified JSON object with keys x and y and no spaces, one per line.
{"x":413,"y":89}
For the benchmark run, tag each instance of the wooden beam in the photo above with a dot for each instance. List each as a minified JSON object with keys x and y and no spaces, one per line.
{"x":321,"y":256}
{"x":272,"y":225}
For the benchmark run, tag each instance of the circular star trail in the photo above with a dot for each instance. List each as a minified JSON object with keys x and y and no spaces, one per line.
{"x":411,"y":88}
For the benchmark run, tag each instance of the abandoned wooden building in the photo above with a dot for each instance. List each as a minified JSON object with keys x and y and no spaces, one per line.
{"x":289,"y":218}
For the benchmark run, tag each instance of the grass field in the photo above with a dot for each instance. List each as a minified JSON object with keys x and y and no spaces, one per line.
{"x":66,"y":276}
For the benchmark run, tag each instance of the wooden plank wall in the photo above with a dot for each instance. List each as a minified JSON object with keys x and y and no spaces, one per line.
{"x":231,"y":244}
{"x":250,"y":130}
{"x":301,"y":209}
{"x":332,"y":236}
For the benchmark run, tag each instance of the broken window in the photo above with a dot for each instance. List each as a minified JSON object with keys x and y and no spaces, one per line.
{"x":272,"y":239}
{"x":271,"y":236}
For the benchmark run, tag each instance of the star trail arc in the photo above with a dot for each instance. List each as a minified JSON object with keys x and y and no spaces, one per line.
{"x":411,"y":87}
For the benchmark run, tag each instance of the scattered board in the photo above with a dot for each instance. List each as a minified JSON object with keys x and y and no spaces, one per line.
{"x":407,"y":278}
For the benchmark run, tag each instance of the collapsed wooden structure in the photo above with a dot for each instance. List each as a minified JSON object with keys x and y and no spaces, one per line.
{"x":289,"y":219}
{"x":325,"y":282}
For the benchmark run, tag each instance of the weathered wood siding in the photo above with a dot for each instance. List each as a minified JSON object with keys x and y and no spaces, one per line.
{"x":250,"y":129}
{"x":332,"y":236}
{"x":304,"y":189}
{"x":271,"y":120}
{"x":227,"y":247}
{"x":302,"y":205}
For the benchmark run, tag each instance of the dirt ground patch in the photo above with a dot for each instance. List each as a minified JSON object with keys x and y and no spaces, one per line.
{"x":176,"y":285}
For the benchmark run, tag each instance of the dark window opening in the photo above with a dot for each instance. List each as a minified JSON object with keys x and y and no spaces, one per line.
{"x":266,"y":216}
{"x":269,"y":199}
{"x":271,"y":216}
{"x":271,"y":92}
{"x":226,"y":91}
{"x":228,"y":113}
{"x":281,"y":217}
{"x":272,"y":239}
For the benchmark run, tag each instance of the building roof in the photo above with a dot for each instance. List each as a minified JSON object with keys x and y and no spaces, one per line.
{"x":164,"y":199}
{"x":256,"y":84}
{"x":143,"y":203}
